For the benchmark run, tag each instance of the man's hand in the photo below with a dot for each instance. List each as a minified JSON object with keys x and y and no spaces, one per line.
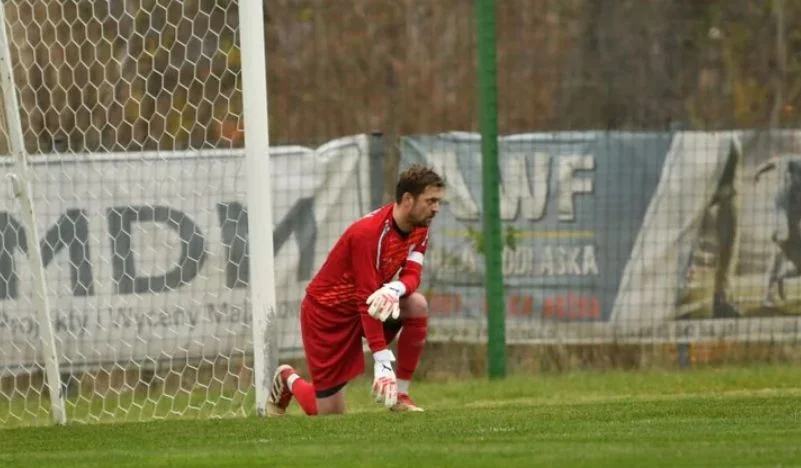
{"x":385,"y":387}
{"x":384,"y":303}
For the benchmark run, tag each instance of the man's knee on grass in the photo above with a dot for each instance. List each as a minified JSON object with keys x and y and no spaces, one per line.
{"x":331,"y":400}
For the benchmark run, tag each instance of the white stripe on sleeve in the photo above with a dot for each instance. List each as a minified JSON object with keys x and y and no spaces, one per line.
{"x":415,"y":257}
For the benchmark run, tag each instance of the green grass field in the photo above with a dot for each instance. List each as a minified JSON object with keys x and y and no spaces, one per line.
{"x":725,"y":417}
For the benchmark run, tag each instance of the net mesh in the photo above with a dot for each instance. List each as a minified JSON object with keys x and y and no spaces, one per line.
{"x":132,"y":113}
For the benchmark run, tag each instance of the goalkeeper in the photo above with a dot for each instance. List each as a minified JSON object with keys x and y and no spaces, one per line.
{"x":355,"y":294}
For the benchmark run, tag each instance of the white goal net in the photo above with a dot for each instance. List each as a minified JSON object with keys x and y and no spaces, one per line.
{"x":131,"y":112}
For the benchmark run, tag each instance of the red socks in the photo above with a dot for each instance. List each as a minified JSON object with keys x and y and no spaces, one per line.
{"x":304,"y":393}
{"x":410,"y":345}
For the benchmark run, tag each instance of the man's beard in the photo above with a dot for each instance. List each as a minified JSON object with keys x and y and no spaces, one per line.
{"x":424,"y":222}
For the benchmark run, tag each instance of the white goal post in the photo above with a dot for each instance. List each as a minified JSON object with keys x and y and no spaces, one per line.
{"x":143,"y":186}
{"x":22,"y":191}
{"x":260,"y":202}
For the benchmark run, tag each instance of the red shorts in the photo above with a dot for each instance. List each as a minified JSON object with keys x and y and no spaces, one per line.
{"x":332,"y":341}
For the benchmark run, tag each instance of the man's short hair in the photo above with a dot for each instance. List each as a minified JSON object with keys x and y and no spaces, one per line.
{"x":416,"y":179}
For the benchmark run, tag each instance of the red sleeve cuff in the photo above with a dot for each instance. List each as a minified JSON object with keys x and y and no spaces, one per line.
{"x":410,"y":277}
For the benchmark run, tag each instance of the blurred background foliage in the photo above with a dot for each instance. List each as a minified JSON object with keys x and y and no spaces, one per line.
{"x":164,"y":74}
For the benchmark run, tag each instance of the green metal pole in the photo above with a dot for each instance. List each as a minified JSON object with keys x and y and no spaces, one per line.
{"x":493,"y":246}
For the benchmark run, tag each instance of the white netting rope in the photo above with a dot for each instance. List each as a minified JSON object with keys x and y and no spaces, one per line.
{"x":132,"y":113}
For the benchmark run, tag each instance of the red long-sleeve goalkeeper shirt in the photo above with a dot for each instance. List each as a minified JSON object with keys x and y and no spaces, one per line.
{"x":370,"y":253}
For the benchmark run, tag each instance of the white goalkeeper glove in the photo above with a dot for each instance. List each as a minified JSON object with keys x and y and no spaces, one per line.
{"x":384,"y":303}
{"x":385,"y":384}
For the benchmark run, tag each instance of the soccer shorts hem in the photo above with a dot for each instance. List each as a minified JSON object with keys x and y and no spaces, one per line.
{"x":325,"y":393}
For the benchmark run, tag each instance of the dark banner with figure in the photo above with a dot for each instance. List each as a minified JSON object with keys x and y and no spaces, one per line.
{"x":615,"y":236}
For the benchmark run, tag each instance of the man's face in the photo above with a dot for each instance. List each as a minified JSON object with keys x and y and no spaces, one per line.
{"x":426,"y":206}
